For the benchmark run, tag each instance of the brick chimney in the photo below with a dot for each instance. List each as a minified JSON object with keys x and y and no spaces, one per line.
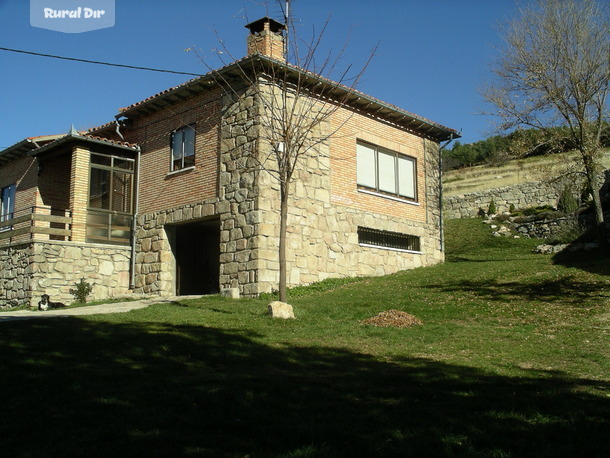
{"x":266,"y":37}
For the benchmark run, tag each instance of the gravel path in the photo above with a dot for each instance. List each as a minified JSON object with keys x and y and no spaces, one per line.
{"x":118,"y":307}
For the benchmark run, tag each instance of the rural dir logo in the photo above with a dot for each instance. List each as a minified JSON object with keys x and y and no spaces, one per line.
{"x":72,"y":16}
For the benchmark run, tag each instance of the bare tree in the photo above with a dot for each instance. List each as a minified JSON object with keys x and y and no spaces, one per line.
{"x":296,"y":103}
{"x":555,"y":71}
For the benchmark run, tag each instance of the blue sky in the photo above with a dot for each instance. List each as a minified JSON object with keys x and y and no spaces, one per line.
{"x":432,"y":57}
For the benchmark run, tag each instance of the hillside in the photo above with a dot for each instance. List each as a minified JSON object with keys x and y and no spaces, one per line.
{"x":482,"y":177}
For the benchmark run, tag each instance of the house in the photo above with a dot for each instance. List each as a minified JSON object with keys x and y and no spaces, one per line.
{"x":166,"y":200}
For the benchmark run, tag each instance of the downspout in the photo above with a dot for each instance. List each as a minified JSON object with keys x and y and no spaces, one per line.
{"x":440,"y":192}
{"x":132,"y":277}
{"x":136,"y":205}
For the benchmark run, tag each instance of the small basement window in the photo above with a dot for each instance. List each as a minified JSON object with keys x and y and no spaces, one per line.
{"x":388,"y":240}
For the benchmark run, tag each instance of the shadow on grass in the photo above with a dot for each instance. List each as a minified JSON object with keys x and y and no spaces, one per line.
{"x":594,"y":261}
{"x":75,"y":387}
{"x":560,"y":289}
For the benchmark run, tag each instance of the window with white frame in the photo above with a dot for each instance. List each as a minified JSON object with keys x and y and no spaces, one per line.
{"x":7,"y":198}
{"x":386,"y":172}
{"x":183,"y":148}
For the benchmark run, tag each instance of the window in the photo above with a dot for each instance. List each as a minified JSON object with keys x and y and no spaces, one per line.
{"x":8,"y":203}
{"x":111,"y":189}
{"x":183,"y":148}
{"x":388,"y":240}
{"x":386,"y":172}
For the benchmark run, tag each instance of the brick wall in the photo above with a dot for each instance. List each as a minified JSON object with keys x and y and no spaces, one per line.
{"x":161,"y":189}
{"x":22,"y":172}
{"x":353,"y":127}
{"x":54,"y":181}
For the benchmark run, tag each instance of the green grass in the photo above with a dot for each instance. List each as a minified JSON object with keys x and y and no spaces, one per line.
{"x":512,"y":360}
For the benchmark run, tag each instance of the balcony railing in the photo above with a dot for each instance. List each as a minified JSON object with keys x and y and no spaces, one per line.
{"x":36,"y":223}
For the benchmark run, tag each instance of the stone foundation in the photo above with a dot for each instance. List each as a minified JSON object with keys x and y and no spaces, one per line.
{"x":53,"y":268}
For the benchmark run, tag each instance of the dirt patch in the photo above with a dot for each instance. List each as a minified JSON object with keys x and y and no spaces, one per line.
{"x":393,"y":318}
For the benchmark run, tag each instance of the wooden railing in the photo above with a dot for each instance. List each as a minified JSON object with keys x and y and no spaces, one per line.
{"x":36,"y":223}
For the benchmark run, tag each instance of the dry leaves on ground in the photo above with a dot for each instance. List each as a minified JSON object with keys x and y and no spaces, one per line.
{"x":393,"y":318}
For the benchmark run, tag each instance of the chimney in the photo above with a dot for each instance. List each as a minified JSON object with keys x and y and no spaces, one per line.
{"x":266,"y":38}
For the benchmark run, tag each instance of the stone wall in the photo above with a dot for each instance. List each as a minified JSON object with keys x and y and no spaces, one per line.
{"x":32,"y":269}
{"x":322,"y":233}
{"x":240,"y":215}
{"x":155,"y":263}
{"x":523,"y":195}
{"x":15,"y":275}
{"x":544,"y":229}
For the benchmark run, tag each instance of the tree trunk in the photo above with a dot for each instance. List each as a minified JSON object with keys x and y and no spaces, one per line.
{"x":282,"y":248}
{"x":600,"y":224}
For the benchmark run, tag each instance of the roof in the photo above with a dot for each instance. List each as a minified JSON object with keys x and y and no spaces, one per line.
{"x":354,"y":98}
{"x":258,"y":25}
{"x":74,"y":136}
{"x":24,"y":146}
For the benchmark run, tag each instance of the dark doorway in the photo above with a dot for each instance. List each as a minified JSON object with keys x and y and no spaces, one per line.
{"x":197,"y":251}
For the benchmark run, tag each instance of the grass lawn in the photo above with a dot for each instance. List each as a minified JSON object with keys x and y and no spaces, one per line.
{"x":512,"y":360}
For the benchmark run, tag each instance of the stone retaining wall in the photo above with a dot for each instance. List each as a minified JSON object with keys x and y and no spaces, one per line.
{"x":544,"y":229}
{"x":523,"y":195}
{"x":36,"y":268}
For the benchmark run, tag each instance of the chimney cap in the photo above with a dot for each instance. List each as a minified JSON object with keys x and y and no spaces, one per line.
{"x":259,"y":25}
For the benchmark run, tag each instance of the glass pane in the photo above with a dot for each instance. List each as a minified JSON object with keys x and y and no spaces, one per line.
{"x":101,"y":159}
{"x":97,"y":232}
{"x":406,"y":177}
{"x":365,"y":165}
{"x":121,"y":192}
{"x":99,"y":190}
{"x":177,"y":150}
{"x":189,"y":161}
{"x":122,"y":222}
{"x":122,"y":163}
{"x":189,"y":141}
{"x":387,"y":172}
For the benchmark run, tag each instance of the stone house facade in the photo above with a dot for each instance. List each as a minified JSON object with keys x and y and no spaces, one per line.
{"x":171,"y":199}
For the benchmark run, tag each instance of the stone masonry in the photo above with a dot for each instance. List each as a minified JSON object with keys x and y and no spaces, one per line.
{"x":523,"y":195}
{"x":36,"y":268}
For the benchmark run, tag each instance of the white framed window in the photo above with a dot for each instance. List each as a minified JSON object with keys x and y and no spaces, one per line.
{"x":183,"y":148}
{"x":7,"y":200}
{"x":386,"y":171}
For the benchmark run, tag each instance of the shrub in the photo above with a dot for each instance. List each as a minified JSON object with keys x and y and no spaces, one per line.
{"x":511,"y":209}
{"x":82,"y":290}
{"x":569,"y":231}
{"x":567,"y":202}
{"x":491,"y":210}
{"x":537,"y":210}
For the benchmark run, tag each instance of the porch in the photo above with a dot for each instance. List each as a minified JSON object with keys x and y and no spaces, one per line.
{"x":36,"y":224}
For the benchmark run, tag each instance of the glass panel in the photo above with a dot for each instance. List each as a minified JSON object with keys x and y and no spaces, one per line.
{"x":366,"y":166}
{"x":189,"y":141}
{"x":101,"y":159}
{"x":121,"y":221}
{"x":406,"y":175}
{"x":121,"y":192}
{"x":177,"y":150}
{"x":99,"y":190}
{"x":123,"y":163}
{"x":387,"y":172}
